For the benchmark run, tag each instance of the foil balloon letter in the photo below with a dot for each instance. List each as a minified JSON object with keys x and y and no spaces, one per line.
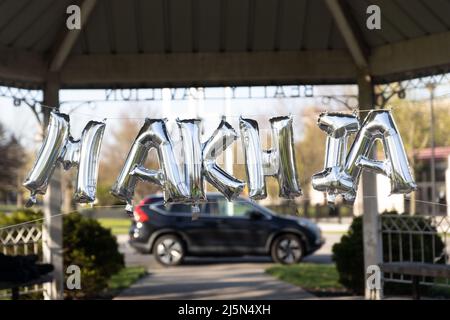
{"x":278,"y":161}
{"x":200,"y":160}
{"x":153,"y":134}
{"x":221,"y":139}
{"x":338,"y":127}
{"x":60,"y":147}
{"x":186,"y":184}
{"x":192,"y":159}
{"x":343,"y":177}
{"x":379,"y":124}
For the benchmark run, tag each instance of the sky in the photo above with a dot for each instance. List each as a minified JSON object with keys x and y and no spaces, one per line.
{"x":85,"y":105}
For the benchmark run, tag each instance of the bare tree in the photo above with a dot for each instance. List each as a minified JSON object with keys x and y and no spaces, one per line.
{"x":12,"y":158}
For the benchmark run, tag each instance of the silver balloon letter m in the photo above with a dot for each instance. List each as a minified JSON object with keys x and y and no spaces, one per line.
{"x":60,"y":147}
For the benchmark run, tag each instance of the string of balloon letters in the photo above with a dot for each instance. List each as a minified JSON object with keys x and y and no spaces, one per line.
{"x":185,"y":182}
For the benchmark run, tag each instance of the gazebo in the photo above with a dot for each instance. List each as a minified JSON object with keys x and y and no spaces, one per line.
{"x":189,"y":43}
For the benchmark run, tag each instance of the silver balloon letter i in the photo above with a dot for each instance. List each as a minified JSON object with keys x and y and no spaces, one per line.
{"x":338,"y":127}
{"x":60,"y":147}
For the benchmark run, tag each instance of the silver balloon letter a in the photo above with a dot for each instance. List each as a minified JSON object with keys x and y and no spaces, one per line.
{"x":59,"y":146}
{"x":278,"y":161}
{"x":153,"y":134}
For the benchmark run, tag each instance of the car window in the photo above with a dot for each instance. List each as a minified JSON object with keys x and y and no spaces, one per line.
{"x":224,"y":208}
{"x":179,"y":208}
{"x":242,"y":209}
{"x":204,"y":208}
{"x":183,"y":208}
{"x":212,"y":207}
{"x":216,"y":207}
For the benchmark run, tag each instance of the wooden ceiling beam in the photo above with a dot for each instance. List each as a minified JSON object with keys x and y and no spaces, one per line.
{"x":67,"y":40}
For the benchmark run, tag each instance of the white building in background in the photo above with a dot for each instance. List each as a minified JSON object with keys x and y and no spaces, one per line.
{"x":424,"y":185}
{"x":316,"y":197}
{"x":385,"y":200}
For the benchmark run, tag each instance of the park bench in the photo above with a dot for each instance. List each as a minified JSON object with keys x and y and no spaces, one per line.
{"x":15,"y":286}
{"x":417,"y":270}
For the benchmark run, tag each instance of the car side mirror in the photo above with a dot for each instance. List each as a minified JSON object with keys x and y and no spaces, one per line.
{"x":255,"y":215}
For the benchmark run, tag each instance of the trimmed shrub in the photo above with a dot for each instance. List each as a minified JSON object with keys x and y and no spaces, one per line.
{"x":86,"y":244}
{"x":349,"y":258}
{"x":104,"y":196}
{"x":94,"y":249}
{"x":19,"y":216}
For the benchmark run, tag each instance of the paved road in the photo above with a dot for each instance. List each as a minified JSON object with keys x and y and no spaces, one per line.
{"x":133,"y":258}
{"x":323,"y":255}
{"x":204,"y":280}
{"x":215,"y":278}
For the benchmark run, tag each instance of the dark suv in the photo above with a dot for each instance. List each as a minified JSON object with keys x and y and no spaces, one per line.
{"x":223,"y":228}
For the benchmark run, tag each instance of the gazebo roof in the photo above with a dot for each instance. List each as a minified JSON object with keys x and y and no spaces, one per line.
{"x":155,"y":43}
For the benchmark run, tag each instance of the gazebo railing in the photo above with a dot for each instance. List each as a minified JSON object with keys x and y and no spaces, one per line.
{"x":421,"y":239}
{"x":22,"y":240}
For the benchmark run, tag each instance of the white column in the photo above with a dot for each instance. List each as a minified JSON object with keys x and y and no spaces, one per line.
{"x":192,"y":102}
{"x":52,"y":233}
{"x":229,"y":151}
{"x":447,"y":185}
{"x":52,"y":237}
{"x":371,"y":234}
{"x":166,"y":103}
{"x":358,"y":206}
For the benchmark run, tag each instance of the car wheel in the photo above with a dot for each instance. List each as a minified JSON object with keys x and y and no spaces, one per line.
{"x":169,"y":250}
{"x":287,"y":249}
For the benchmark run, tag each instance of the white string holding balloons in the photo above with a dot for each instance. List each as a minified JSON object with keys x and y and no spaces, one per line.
{"x":93,"y":116}
{"x":185,"y":183}
{"x":121,"y":206}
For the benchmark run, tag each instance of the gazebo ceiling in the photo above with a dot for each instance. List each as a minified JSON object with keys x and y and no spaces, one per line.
{"x":154,"y":43}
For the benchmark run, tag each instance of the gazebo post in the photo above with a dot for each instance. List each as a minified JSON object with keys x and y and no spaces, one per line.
{"x":361,"y":54}
{"x":52,"y":231}
{"x":52,"y":241}
{"x":371,"y":235}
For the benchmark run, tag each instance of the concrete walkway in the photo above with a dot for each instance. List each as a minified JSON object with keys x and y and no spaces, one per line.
{"x":202,"y":280}
{"x":214,"y":278}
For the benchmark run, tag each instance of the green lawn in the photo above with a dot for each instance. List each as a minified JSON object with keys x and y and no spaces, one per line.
{"x":119,"y":281}
{"x":124,"y":278}
{"x":117,"y":225}
{"x":320,"y":279}
{"x":8,"y":207}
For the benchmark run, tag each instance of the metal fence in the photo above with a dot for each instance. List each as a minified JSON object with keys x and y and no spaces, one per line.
{"x":423,"y":239}
{"x":22,"y":240}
